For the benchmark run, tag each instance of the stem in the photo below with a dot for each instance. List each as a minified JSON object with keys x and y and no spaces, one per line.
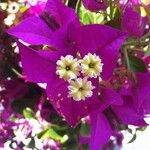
{"x":136,"y":43}
{"x":145,"y":36}
{"x":16,"y":72}
{"x":78,"y":6}
{"x":143,"y":41}
{"x":111,"y":9}
{"x":125,"y":52}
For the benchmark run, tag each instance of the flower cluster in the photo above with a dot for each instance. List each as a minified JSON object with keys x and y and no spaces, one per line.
{"x":69,"y":68}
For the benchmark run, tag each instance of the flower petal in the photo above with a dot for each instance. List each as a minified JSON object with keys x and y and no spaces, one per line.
{"x":32,"y":30}
{"x":100,"y":131}
{"x":132,"y":19}
{"x":128,"y":114}
{"x":141,"y":90}
{"x":40,"y":66}
{"x":109,"y":97}
{"x":95,"y":39}
{"x":109,"y":55}
{"x":36,"y":67}
{"x":61,"y":13}
{"x":70,"y":109}
{"x":61,"y":38}
{"x":95,"y":5}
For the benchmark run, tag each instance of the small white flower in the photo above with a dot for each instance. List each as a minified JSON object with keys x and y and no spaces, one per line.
{"x":91,"y":65}
{"x":67,"y":67}
{"x":80,"y":89}
{"x":13,"y":8}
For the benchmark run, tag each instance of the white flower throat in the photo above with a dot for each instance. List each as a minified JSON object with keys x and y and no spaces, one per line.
{"x":70,"y":69}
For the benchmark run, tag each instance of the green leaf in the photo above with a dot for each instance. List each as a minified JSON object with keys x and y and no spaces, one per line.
{"x":111,"y":8}
{"x":28,"y":113}
{"x":117,"y":13}
{"x":51,"y":133}
{"x":23,"y":9}
{"x":31,"y":144}
{"x":137,"y":64}
{"x":87,"y":17}
{"x":147,"y":53}
{"x":59,"y":128}
{"x":85,"y":129}
{"x":42,"y":135}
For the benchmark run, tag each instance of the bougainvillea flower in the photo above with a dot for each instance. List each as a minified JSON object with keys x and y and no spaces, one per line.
{"x":95,"y":5}
{"x":83,"y":56}
{"x":104,"y":125}
{"x":88,"y":39}
{"x":54,"y":16}
{"x":128,"y":114}
{"x":135,"y":101}
{"x":135,"y":107}
{"x":6,"y":132}
{"x":100,"y":130}
{"x":132,"y":19}
{"x":15,"y":99}
{"x":47,"y":111}
{"x":72,"y":75}
{"x":9,"y":94}
{"x":141,"y":93}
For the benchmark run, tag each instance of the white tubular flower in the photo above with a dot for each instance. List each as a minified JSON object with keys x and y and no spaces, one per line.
{"x":67,"y":67}
{"x":91,"y":65}
{"x":13,"y":8}
{"x":80,"y":89}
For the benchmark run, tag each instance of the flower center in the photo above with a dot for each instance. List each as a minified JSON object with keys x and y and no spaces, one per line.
{"x":67,"y":67}
{"x":80,"y":89}
{"x":91,"y":65}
